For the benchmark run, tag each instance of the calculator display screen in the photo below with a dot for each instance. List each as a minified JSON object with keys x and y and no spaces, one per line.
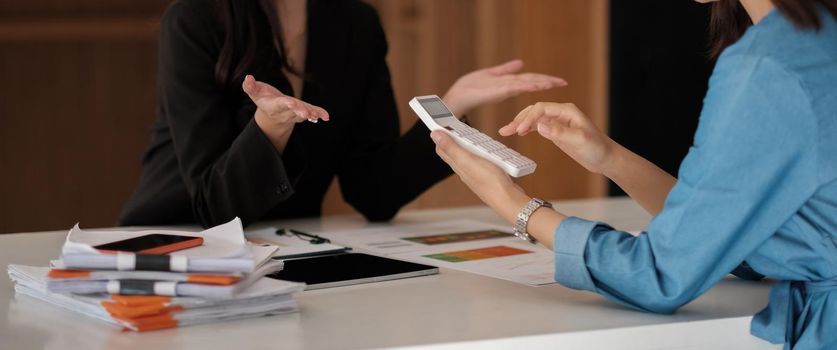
{"x":435,"y":108}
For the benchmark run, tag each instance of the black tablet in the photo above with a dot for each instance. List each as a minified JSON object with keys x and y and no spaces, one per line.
{"x":347,"y":269}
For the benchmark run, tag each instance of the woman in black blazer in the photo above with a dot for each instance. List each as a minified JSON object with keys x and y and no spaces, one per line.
{"x":218,"y":152}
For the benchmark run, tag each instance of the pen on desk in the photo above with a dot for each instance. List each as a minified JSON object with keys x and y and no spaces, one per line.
{"x":314,"y":239}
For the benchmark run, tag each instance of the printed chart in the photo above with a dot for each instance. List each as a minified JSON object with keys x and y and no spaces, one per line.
{"x":458,"y":237}
{"x":464,"y":245}
{"x":477,"y":254}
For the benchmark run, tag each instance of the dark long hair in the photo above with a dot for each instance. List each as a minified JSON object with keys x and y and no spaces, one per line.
{"x":252,"y":37}
{"x":730,"y":20}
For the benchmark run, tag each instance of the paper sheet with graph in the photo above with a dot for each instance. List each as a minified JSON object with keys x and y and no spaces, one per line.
{"x":465,"y":245}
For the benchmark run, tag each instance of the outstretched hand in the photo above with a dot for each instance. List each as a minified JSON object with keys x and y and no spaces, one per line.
{"x":278,"y":107}
{"x":276,"y":114}
{"x":569,"y":129}
{"x":495,"y":84}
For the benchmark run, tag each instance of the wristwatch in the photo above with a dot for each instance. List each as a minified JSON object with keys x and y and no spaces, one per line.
{"x":523,"y":218}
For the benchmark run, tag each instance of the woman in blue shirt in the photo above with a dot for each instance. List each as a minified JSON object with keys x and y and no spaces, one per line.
{"x":757,"y":191}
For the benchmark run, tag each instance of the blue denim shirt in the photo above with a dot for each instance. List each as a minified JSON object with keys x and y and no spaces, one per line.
{"x":759,"y":186}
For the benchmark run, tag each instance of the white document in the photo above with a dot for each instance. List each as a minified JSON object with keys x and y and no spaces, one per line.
{"x":219,"y":242}
{"x":516,"y":261}
{"x":224,"y":249}
{"x":261,"y":254}
{"x":291,"y":246}
{"x":465,"y":245}
{"x":208,"y":291}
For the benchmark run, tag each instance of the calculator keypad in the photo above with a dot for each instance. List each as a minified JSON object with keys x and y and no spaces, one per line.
{"x":496,"y":149}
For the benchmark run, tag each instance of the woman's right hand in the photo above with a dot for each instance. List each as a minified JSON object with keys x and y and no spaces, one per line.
{"x":276,"y":113}
{"x":569,"y":129}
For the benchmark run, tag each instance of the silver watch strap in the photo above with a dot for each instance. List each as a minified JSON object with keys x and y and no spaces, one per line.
{"x":523,"y":218}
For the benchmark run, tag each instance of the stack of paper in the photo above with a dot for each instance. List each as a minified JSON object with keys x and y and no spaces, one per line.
{"x":143,"y":313}
{"x":224,"y":249}
{"x":223,"y":279}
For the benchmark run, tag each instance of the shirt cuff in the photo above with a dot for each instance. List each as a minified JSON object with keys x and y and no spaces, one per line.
{"x":569,"y":243}
{"x":263,"y":179}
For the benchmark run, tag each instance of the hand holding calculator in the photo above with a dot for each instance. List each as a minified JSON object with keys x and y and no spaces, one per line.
{"x":436,"y":116}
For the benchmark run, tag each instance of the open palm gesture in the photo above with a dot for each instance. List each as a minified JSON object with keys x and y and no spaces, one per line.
{"x":280,"y":108}
{"x":495,"y":84}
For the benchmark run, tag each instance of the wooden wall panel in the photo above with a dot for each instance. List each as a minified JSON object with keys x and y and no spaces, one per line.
{"x":433,"y":42}
{"x":77,"y":97}
{"x":77,"y":93}
{"x":29,"y":10}
{"x":564,"y":38}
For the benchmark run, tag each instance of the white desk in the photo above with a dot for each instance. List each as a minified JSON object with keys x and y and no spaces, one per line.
{"x":449,"y":310}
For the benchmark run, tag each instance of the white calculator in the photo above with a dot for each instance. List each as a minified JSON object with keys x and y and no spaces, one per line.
{"x":433,"y":112}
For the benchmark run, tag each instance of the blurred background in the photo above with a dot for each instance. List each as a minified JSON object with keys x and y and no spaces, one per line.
{"x":78,"y":95}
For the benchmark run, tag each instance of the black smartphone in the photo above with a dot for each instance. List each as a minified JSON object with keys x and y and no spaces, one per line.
{"x":155,"y":243}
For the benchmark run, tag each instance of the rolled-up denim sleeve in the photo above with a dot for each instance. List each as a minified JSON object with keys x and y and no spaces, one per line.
{"x":569,"y":244}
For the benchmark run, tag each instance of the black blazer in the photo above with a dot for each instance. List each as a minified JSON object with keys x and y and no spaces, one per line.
{"x":209,"y":162}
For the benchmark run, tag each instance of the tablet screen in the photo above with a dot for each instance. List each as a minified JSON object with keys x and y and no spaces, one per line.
{"x":346,"y":269}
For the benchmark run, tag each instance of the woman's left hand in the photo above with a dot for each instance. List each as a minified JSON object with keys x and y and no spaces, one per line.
{"x":488,"y":181}
{"x":495,"y":84}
